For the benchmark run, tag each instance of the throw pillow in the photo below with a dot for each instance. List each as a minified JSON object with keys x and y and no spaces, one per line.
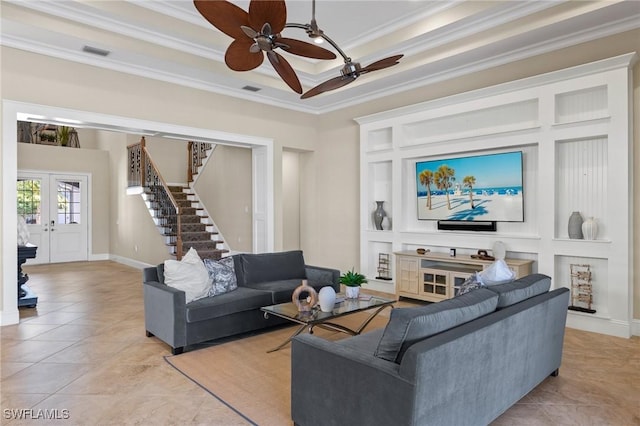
{"x":497,"y":273}
{"x":410,"y":325}
{"x":188,"y":275}
{"x":222,"y":275}
{"x":471,"y":283}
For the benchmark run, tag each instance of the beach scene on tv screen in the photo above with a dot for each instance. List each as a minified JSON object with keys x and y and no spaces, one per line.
{"x":477,"y":188}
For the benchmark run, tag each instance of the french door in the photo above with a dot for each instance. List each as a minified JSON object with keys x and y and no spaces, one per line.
{"x":55,"y":209}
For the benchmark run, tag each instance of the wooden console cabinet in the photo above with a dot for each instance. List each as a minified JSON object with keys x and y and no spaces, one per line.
{"x":437,"y":276}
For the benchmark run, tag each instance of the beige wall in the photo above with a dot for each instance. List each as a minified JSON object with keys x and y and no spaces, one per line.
{"x":329,"y":186}
{"x":69,"y":160}
{"x":169,"y":155}
{"x":291,"y":200}
{"x":225,"y":189}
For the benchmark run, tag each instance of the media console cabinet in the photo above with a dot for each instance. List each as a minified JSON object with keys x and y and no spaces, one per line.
{"x":437,"y":276}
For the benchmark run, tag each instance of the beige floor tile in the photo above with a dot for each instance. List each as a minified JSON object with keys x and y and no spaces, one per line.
{"x":84,"y":349}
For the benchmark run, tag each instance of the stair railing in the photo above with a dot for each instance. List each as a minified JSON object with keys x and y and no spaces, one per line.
{"x":143,"y":170}
{"x":196,"y":153}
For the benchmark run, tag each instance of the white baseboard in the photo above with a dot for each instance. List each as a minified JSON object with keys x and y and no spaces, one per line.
{"x":129,"y":262}
{"x":96,"y":257}
{"x":596,"y":324}
{"x":8,"y":318}
{"x":635,"y":327}
{"x":380,"y":285}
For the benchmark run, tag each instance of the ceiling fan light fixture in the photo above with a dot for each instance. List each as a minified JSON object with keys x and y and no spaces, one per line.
{"x":258,"y":32}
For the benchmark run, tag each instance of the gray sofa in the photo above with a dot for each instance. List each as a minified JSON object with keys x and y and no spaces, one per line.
{"x":263,"y":279}
{"x":463,"y":361}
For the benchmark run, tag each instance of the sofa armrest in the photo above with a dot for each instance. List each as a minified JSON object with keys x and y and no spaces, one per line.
{"x":335,"y":384}
{"x":320,"y":274}
{"x":164,"y":313}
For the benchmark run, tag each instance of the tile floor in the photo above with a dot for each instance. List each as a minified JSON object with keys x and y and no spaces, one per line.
{"x":82,"y":355}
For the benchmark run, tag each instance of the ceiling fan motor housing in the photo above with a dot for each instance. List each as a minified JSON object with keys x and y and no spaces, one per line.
{"x":351,"y":69}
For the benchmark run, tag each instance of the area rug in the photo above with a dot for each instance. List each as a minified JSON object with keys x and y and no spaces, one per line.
{"x":254,"y":383}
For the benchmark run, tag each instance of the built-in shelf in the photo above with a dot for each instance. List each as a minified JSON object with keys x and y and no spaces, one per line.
{"x":569,"y":125}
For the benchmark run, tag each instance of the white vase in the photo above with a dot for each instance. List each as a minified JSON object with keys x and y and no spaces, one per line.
{"x":590,"y":229}
{"x":327,"y":299}
{"x":23,"y":232}
{"x":352,"y":292}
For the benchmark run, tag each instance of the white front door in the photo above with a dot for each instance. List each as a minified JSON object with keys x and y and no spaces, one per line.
{"x":55,"y":209}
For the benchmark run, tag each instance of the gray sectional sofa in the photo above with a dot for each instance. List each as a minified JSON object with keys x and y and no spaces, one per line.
{"x":263,"y":279}
{"x":463,"y":361}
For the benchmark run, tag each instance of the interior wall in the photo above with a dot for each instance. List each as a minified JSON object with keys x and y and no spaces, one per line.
{"x":291,"y":200}
{"x":133,"y":235}
{"x":225,"y":188}
{"x":69,"y":160}
{"x":170,"y":156}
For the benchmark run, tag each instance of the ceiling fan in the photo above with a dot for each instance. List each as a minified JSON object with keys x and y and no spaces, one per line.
{"x":258,"y":31}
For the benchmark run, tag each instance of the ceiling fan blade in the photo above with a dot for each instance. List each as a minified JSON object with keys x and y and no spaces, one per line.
{"x":273,"y":12}
{"x":283,"y":68}
{"x":332,"y":84}
{"x":302,"y":48}
{"x":240,"y":57}
{"x":225,"y":16}
{"x":382,"y":64}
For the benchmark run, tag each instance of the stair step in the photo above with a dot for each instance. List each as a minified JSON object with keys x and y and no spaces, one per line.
{"x":212,"y":254}
{"x":196,"y":236}
{"x":200,"y":245}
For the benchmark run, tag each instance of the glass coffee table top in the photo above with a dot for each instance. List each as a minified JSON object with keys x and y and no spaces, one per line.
{"x":315,"y":317}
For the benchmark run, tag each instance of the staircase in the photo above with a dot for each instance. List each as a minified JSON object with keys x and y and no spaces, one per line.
{"x":176,"y":210}
{"x":195,"y":231}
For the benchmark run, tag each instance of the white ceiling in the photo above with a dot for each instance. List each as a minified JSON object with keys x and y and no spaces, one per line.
{"x":170,"y":41}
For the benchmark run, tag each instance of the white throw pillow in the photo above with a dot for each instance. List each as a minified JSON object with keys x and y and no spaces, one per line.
{"x":497,"y":273}
{"x":188,"y":275}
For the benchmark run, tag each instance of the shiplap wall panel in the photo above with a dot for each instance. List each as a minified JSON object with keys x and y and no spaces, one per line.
{"x":581,"y":183}
{"x":580,"y":105}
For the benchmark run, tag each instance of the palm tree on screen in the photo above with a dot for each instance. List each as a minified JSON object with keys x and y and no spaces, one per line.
{"x":444,"y":178}
{"x":426,"y":179}
{"x":469,"y":181}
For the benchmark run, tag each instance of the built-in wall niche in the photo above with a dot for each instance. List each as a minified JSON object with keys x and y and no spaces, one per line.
{"x":581,"y":105}
{"x":379,"y":140}
{"x":497,"y":119}
{"x":599,"y":276}
{"x":380,"y":190}
{"x":581,"y":183}
{"x":375,"y":248}
{"x":530,"y":170}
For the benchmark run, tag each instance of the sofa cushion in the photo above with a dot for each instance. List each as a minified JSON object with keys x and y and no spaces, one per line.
{"x":521,"y":289}
{"x":188,"y":275}
{"x":407,"y":326}
{"x":280,"y":291}
{"x":222,"y":275}
{"x":240,"y":300}
{"x":266,"y":267}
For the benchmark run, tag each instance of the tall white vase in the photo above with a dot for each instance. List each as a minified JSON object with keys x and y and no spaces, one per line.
{"x":327,"y":299}
{"x":590,"y":229}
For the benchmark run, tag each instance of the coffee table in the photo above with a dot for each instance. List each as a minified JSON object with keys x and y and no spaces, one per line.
{"x":317,"y":318}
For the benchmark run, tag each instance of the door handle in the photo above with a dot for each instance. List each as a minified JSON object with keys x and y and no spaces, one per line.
{"x":45,"y":229}
{"x":53,"y":222}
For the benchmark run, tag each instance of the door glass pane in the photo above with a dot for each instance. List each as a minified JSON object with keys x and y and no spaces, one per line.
{"x":68,"y":202}
{"x":29,"y":200}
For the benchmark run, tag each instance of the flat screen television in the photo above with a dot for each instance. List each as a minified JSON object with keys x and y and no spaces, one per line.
{"x":485,"y":188}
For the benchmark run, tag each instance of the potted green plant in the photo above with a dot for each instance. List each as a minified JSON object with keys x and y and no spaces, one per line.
{"x":352,"y":281}
{"x":63,"y":135}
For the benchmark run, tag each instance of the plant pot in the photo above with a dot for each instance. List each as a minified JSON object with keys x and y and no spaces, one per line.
{"x":352,"y":292}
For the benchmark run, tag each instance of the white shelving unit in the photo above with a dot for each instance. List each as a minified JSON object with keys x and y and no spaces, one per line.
{"x":569,"y":124}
